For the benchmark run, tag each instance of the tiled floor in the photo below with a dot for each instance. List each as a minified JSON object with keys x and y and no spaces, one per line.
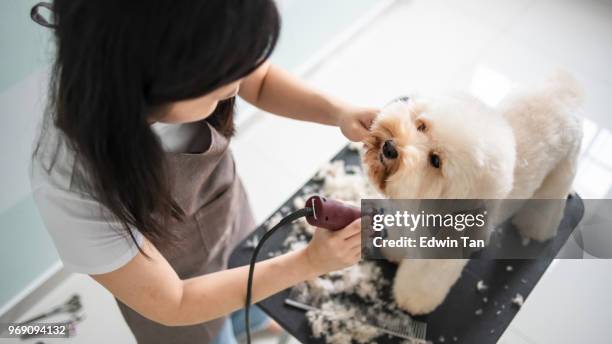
{"x":483,"y":46}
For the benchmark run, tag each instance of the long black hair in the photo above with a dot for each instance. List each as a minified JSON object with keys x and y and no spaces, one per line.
{"x":118,"y":61}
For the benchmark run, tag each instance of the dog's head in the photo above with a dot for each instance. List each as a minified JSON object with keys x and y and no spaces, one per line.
{"x":450,"y":146}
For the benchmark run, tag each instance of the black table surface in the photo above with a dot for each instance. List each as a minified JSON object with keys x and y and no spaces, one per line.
{"x":455,"y":318}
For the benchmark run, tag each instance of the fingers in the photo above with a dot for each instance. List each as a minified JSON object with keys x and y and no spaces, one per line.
{"x":350,"y":230}
{"x":360,"y":133}
{"x":356,"y":236}
{"x":356,"y":123}
{"x":353,"y":242}
{"x":356,"y":257}
{"x":367,"y":118}
{"x":352,"y":255}
{"x":355,"y":131}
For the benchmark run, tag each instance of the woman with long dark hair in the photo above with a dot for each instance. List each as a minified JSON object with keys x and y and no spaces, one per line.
{"x":132,"y":173}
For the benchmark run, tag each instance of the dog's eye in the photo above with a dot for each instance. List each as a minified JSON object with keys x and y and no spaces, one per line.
{"x":434,"y":160}
{"x":421,"y":126}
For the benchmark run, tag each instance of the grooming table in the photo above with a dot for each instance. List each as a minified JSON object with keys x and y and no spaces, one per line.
{"x":455,"y":319}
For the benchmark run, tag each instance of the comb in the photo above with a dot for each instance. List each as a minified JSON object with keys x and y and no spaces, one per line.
{"x":403,"y":327}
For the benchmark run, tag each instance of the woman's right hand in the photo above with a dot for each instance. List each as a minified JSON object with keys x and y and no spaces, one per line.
{"x":335,"y":250}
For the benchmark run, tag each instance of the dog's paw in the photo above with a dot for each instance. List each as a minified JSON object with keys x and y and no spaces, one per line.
{"x":417,"y":300}
{"x":538,"y":222}
{"x":421,"y":285}
{"x":532,"y":232}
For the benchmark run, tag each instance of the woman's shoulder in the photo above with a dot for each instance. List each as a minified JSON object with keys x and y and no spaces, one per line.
{"x":49,"y":161}
{"x":53,"y":163}
{"x":86,"y":236}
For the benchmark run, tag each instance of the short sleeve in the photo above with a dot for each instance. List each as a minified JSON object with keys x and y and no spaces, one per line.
{"x":87,"y":242}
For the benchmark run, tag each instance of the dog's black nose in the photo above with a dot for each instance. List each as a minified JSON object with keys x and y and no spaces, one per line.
{"x":389,"y":150}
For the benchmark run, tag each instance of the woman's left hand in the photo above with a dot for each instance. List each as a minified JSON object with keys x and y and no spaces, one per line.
{"x":355,"y":122}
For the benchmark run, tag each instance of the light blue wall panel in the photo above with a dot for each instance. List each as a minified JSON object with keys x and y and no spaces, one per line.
{"x":25,"y":46}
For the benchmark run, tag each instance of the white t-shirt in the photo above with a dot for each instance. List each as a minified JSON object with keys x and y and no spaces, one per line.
{"x":86,"y":240}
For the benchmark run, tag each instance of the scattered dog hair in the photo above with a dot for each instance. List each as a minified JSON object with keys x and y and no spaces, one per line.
{"x":518,"y":300}
{"x":339,"y":296}
{"x":481,"y":286}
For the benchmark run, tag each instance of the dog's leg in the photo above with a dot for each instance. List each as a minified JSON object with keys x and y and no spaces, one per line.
{"x":421,"y":285}
{"x":539,"y":217}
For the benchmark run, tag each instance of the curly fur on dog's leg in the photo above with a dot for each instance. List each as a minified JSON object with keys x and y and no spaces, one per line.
{"x":421,"y":285}
{"x":539,"y":218}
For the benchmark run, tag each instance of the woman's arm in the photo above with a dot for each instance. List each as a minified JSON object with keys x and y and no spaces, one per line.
{"x":272,"y":89}
{"x":152,"y":288}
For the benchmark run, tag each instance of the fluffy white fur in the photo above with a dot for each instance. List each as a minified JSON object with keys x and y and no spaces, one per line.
{"x":525,"y":148}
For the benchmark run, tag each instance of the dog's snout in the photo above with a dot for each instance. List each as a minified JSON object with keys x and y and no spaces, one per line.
{"x":389,"y":151}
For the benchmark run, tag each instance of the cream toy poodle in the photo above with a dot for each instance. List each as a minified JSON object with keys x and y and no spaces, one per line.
{"x":455,"y":146}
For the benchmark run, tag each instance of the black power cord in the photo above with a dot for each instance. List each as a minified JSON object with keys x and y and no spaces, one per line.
{"x":286,"y":220}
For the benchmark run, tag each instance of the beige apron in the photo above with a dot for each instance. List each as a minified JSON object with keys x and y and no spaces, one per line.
{"x":218,"y":218}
